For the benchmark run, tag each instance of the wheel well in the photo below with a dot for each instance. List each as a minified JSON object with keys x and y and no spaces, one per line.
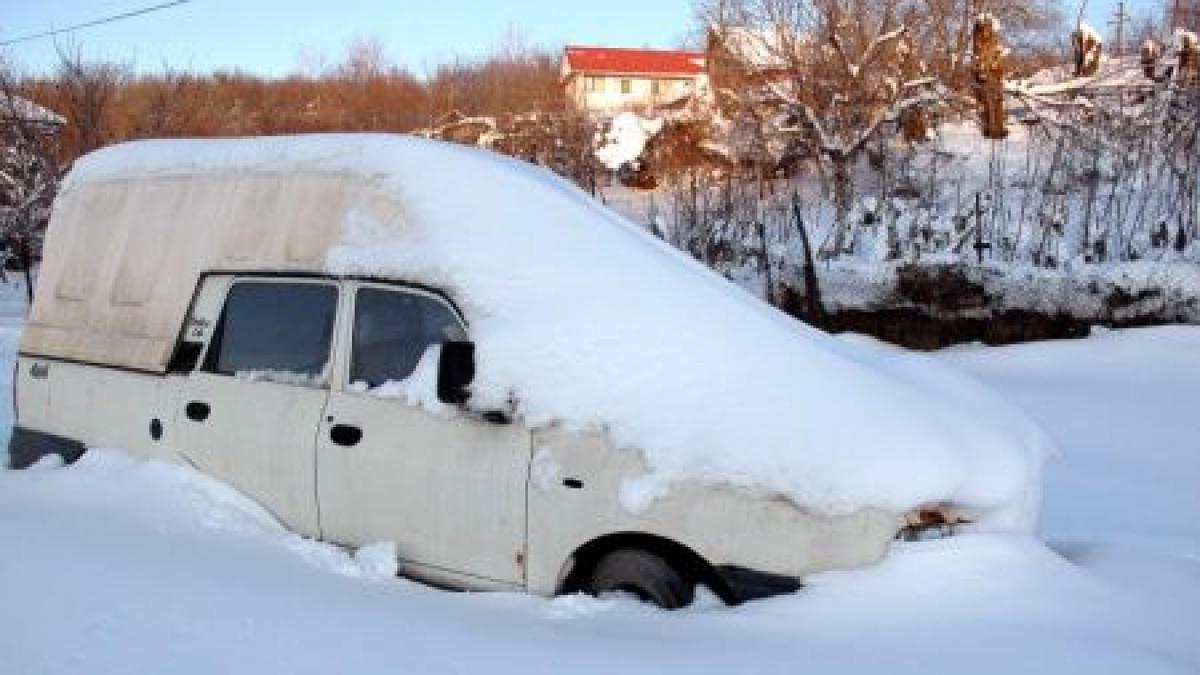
{"x":687,"y":562}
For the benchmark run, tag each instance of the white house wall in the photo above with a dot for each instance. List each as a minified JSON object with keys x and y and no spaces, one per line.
{"x":608,"y":96}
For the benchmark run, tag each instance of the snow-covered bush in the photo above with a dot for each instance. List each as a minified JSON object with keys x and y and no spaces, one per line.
{"x":28,"y":174}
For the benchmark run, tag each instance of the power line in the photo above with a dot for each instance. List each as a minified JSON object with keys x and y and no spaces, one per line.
{"x":95,"y":22}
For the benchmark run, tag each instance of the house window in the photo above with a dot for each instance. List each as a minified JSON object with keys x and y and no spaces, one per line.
{"x":594,"y":83}
{"x":626,"y":86}
{"x":655,"y":88}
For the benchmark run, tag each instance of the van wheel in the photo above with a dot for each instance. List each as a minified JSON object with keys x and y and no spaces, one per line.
{"x":644,"y":574}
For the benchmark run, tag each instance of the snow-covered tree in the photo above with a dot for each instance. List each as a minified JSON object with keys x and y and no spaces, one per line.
{"x":823,"y":77}
{"x":28,"y":174}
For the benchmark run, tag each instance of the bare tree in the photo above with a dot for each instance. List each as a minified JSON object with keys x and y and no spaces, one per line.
{"x":86,"y":92}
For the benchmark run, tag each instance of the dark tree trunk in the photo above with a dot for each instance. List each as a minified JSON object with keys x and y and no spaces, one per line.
{"x":812,"y":290}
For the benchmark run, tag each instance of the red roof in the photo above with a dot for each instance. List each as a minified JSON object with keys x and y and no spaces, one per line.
{"x":613,"y":61}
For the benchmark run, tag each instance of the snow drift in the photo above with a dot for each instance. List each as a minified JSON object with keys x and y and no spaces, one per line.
{"x":583,"y":319}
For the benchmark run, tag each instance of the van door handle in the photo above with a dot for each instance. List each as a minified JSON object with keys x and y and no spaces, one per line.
{"x":344,"y":434}
{"x":197,"y":410}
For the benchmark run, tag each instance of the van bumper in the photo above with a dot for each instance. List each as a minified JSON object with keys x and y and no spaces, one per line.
{"x":27,"y":446}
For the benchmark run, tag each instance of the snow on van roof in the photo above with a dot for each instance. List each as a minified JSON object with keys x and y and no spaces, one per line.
{"x":583,"y":319}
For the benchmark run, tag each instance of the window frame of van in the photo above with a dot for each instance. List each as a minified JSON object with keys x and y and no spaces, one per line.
{"x":342,"y":323}
{"x":350,"y":305}
{"x":202,"y":362}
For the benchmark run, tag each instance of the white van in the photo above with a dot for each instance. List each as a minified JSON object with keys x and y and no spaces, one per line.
{"x":302,"y":319}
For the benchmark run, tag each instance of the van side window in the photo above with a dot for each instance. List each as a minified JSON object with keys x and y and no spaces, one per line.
{"x":392,"y":330}
{"x":275,"y":331}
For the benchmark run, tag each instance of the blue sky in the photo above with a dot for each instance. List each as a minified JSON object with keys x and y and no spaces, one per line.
{"x":269,"y":36}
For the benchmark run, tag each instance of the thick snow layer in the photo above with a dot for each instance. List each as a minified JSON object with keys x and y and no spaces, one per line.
{"x":582,"y":318}
{"x":111,"y":566}
{"x":1122,"y":408}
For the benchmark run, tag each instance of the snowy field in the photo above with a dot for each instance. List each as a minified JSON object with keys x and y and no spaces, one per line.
{"x":114,"y":567}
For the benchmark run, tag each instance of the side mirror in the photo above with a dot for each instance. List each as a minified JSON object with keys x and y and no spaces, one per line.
{"x":456,"y":370}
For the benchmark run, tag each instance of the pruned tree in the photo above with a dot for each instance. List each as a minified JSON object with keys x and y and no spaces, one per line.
{"x":989,"y":70}
{"x":1088,"y":50}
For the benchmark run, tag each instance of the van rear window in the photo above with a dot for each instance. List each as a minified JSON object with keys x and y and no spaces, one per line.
{"x":275,"y":331}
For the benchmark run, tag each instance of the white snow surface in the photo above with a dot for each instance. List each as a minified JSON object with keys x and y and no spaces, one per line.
{"x":582,"y":318}
{"x":286,"y":377}
{"x":113,"y":566}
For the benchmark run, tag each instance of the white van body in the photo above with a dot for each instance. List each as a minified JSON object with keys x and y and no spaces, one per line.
{"x":151,"y":282}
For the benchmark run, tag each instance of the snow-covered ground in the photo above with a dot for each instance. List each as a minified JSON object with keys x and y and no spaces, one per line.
{"x":110,"y":566}
{"x":1109,"y":252}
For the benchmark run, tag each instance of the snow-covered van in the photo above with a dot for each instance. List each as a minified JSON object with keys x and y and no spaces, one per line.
{"x":383,"y":338}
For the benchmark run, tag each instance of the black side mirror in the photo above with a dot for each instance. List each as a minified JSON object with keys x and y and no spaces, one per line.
{"x":456,"y":370}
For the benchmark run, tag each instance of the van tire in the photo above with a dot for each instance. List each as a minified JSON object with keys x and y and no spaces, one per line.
{"x":644,"y":574}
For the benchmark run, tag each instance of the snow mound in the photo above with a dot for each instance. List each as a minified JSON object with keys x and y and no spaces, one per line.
{"x":582,"y":318}
{"x":625,"y":139}
{"x":187,"y":500}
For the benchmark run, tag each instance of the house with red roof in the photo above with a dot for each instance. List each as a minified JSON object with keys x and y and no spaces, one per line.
{"x":607,"y":79}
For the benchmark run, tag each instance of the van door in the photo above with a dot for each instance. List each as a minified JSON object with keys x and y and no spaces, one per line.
{"x":249,"y":413}
{"x":395,"y":465}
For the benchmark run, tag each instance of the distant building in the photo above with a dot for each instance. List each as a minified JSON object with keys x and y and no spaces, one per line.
{"x":605,"y":80}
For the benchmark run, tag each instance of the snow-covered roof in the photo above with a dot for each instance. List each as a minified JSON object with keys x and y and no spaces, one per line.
{"x":582,"y":318}
{"x":621,"y":61}
{"x":13,"y":106}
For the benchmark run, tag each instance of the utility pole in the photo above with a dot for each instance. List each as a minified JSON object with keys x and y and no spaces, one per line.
{"x":1118,"y":21}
